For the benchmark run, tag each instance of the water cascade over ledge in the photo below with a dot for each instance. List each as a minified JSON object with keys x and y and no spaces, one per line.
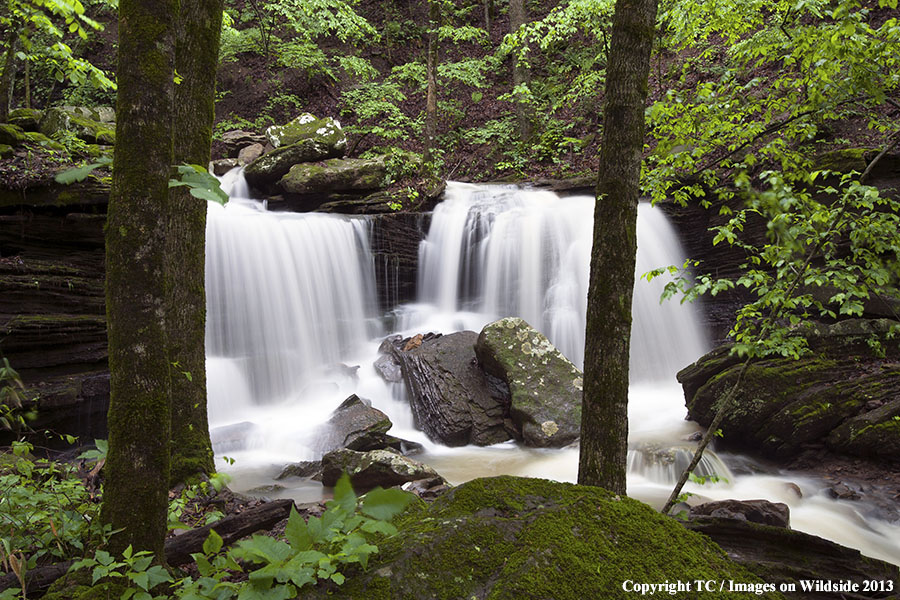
{"x":291,"y":314}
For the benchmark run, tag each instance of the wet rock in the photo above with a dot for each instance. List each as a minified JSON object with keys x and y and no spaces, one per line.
{"x":842,"y":491}
{"x":389,"y":369}
{"x":775,"y":514}
{"x":223,"y":165}
{"x":374,"y":468}
{"x":354,"y":425}
{"x":309,"y":469}
{"x":427,"y":489}
{"x":452,"y":400}
{"x":785,"y":405}
{"x":545,"y":386}
{"x":266,"y":170}
{"x":335,"y":175}
{"x":306,"y":126}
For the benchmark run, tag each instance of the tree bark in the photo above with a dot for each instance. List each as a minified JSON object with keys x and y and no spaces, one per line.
{"x":604,"y":422}
{"x":137,"y":468}
{"x":434,"y":18}
{"x":6,"y":79}
{"x":521,"y":73}
{"x":197,"y":57}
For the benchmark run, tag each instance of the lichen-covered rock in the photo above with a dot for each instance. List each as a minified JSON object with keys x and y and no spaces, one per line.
{"x":66,"y":118}
{"x":509,"y":538}
{"x":544,"y":385}
{"x":373,"y":468}
{"x":269,"y":168}
{"x":335,"y":175}
{"x":451,"y":399}
{"x":784,"y":404}
{"x":326,"y":131}
{"x":356,"y":425}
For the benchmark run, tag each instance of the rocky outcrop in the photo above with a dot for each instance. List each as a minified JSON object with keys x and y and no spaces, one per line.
{"x":86,"y":124}
{"x":264,"y":172}
{"x":509,"y":538}
{"x":545,"y":387}
{"x":841,"y":394}
{"x":776,"y":514}
{"x":373,"y":468}
{"x":452,"y":399}
{"x":335,"y":175}
{"x":778,"y":554}
{"x":395,"y":242}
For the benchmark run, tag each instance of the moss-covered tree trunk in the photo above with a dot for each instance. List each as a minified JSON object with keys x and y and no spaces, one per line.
{"x":137,"y":468}
{"x":434,"y":18}
{"x":604,"y":415}
{"x":197,"y":57}
{"x":521,"y":73}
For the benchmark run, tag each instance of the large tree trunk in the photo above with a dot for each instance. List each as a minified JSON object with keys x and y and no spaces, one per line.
{"x":137,"y":469}
{"x":521,"y":73}
{"x":604,"y":416}
{"x":197,"y":57}
{"x":434,"y":18}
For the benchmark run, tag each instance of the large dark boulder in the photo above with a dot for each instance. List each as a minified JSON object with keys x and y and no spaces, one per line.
{"x":452,"y":400}
{"x":335,"y":175}
{"x":509,"y":538}
{"x":544,"y":385}
{"x":776,"y":514}
{"x":841,"y":394}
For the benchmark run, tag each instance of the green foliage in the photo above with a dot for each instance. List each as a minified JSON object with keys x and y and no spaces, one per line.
{"x":46,"y":512}
{"x":77,"y":174}
{"x":42,"y":27}
{"x":202,"y":184}
{"x":14,"y":416}
{"x":136,"y":568}
{"x":191,"y":501}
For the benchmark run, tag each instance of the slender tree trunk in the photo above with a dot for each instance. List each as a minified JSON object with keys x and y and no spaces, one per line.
{"x":488,"y":15}
{"x":434,"y":18}
{"x":521,"y":74}
{"x":6,"y":79}
{"x":197,"y":57}
{"x":137,"y":469}
{"x":604,"y":420}
{"x":27,"y":84}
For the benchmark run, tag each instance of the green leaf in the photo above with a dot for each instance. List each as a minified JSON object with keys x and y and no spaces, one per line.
{"x":385,"y":504}
{"x":213,"y":543}
{"x":297,"y":533}
{"x":77,"y":174}
{"x":344,"y":495}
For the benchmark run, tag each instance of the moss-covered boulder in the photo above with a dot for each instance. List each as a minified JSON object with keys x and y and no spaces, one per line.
{"x":841,"y":393}
{"x":373,"y":468}
{"x":508,"y":538}
{"x":544,"y":385}
{"x":326,"y":131}
{"x":26,"y":118}
{"x":6,"y":150}
{"x":269,"y":168}
{"x":335,"y":175}
{"x":844,"y":160}
{"x":65,"y":118}
{"x":12,"y":135}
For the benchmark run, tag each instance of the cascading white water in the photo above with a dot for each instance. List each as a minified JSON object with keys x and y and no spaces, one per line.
{"x":291,"y":294}
{"x":504,"y":251}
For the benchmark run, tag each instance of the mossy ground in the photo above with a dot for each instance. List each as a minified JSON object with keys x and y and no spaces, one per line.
{"x":512,"y":538}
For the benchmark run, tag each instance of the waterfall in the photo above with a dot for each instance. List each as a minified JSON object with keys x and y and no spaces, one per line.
{"x":287,"y":294}
{"x":504,"y":251}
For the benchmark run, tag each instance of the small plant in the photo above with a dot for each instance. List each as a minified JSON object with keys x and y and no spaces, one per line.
{"x":135,"y":567}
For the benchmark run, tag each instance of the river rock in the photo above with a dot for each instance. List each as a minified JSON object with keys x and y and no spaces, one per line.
{"x":776,"y":514}
{"x":452,"y":400}
{"x":83,"y":124}
{"x":220,"y":166}
{"x":373,"y":468}
{"x":250,"y":153}
{"x":272,"y":166}
{"x":509,"y":538}
{"x":354,"y":425}
{"x":335,"y":175}
{"x":309,"y":469}
{"x":326,"y":131}
{"x":236,"y":139}
{"x":827,"y":396}
{"x":545,"y":387}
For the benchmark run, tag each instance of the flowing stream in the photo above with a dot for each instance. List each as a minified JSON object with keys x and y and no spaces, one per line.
{"x":293,"y":330}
